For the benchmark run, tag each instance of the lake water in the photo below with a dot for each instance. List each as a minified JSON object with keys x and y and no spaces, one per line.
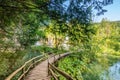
{"x":113,"y":73}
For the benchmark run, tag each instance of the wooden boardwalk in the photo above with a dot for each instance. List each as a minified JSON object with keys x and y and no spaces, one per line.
{"x":40,"y":72}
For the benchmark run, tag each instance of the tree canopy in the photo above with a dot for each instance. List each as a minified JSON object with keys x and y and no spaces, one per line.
{"x":60,"y":10}
{"x":30,"y":14}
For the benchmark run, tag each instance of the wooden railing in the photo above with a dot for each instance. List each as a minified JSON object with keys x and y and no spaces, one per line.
{"x":23,"y":70}
{"x":53,"y":69}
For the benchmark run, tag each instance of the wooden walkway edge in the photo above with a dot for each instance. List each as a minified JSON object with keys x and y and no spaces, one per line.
{"x":40,"y":72}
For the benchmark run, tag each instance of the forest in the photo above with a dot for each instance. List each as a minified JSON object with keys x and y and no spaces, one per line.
{"x":30,"y":27}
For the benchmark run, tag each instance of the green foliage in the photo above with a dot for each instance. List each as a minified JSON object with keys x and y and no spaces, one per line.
{"x":21,"y":20}
{"x":95,"y":56}
{"x":28,"y":34}
{"x":48,"y":50}
{"x":77,"y":12}
{"x":79,"y":69}
{"x":9,"y":62}
{"x":3,"y":66}
{"x":44,"y":49}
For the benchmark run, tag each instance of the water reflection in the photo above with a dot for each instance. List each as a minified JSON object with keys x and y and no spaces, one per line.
{"x":113,"y":73}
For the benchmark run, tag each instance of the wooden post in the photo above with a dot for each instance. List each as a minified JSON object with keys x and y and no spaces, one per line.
{"x":48,"y":68}
{"x":59,"y":55}
{"x":54,"y":58}
{"x":33,"y":63}
{"x":23,"y":71}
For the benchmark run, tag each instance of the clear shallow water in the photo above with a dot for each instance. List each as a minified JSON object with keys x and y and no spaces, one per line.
{"x":113,"y":73}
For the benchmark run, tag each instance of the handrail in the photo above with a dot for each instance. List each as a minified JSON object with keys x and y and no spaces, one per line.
{"x":52,"y":69}
{"x":33,"y":62}
{"x":53,"y":74}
